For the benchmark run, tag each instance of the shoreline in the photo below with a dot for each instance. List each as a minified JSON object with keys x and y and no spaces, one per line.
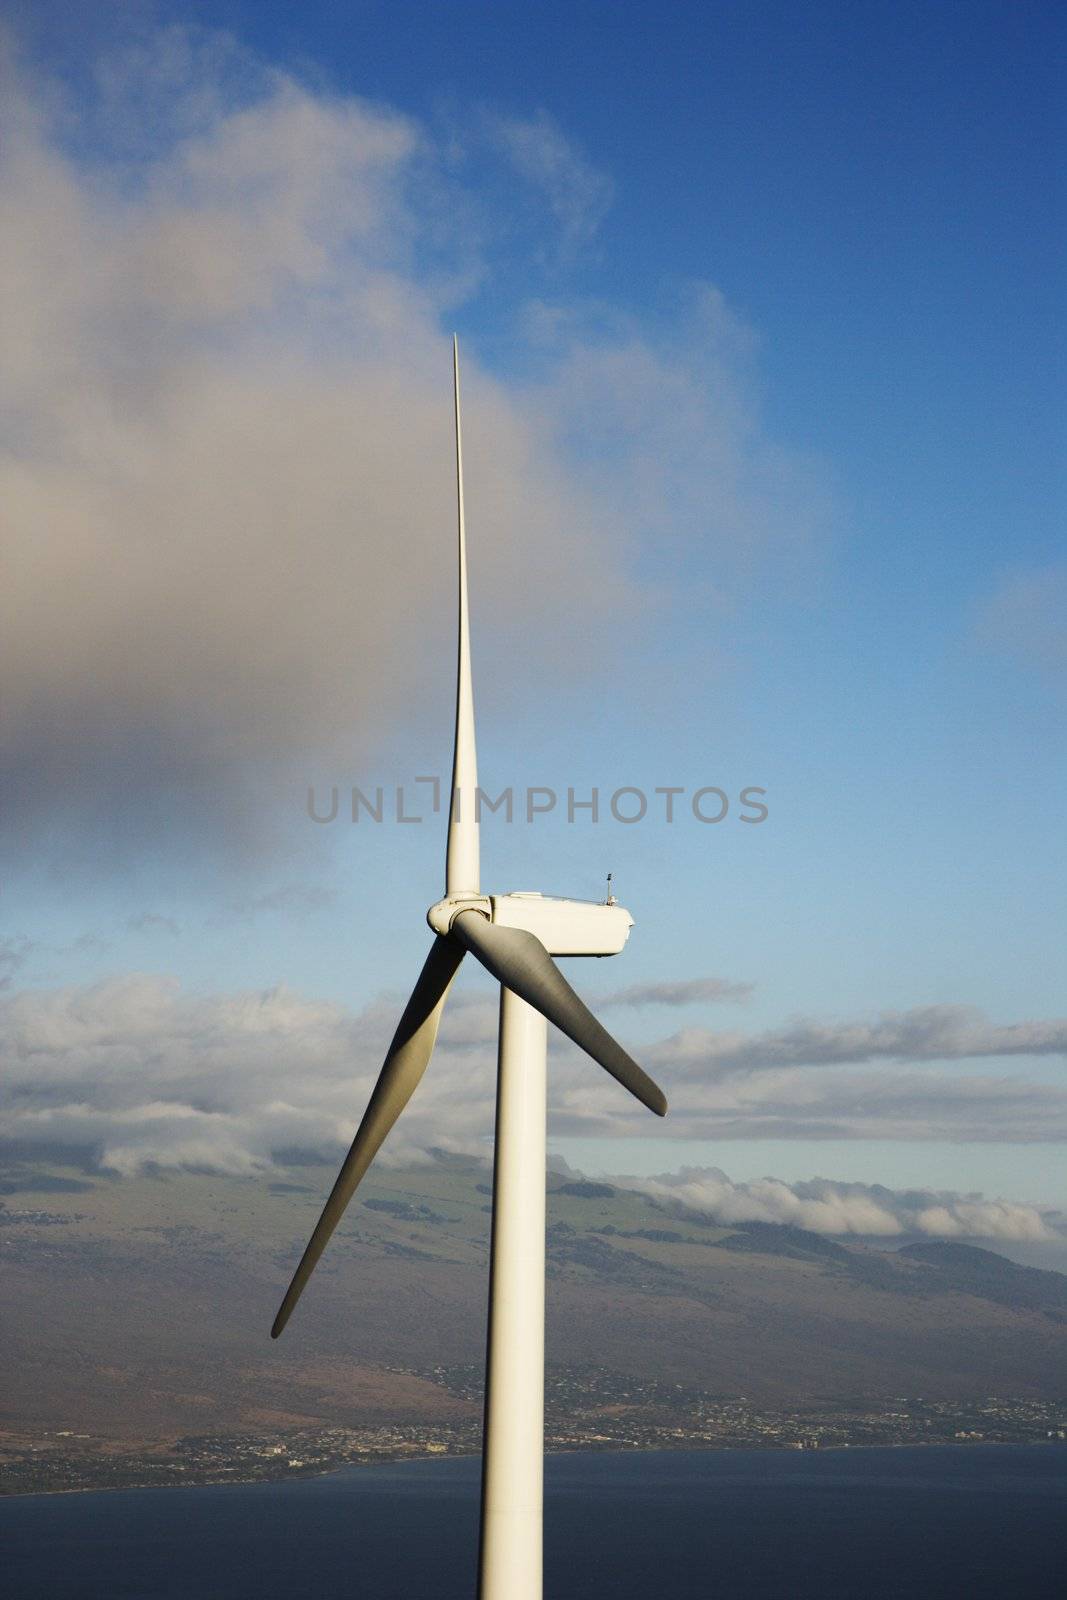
{"x":300,"y":1475}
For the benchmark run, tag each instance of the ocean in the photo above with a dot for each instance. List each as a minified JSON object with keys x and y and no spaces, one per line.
{"x":973,"y":1521}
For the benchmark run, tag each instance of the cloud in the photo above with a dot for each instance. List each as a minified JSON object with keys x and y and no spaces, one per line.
{"x":927,"y":1033}
{"x":667,"y":433}
{"x":135,"y":1069}
{"x":15,"y":950}
{"x":684,"y":992}
{"x":1026,"y":617}
{"x":814,"y":1080}
{"x":577,"y":194}
{"x":154,"y":922}
{"x":836,"y":1104}
{"x":289,"y":899}
{"x":227,"y":463}
{"x":868,"y":1210}
{"x":822,"y":1103}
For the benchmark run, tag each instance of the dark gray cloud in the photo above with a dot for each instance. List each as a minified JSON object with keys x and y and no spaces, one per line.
{"x":289,"y":900}
{"x":828,"y":1103}
{"x":154,"y":922}
{"x":684,"y":992}
{"x":15,"y":951}
{"x":927,"y":1033}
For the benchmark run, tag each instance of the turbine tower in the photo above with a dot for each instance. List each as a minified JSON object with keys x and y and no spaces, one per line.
{"x":514,"y":936}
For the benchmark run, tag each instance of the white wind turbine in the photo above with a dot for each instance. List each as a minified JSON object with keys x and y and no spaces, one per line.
{"x":514,"y":936}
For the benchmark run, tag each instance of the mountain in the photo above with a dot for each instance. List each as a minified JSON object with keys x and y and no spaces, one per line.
{"x":140,"y":1307}
{"x":990,"y":1277}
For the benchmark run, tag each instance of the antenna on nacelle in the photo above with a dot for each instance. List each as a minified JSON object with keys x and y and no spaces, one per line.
{"x":610,"y":901}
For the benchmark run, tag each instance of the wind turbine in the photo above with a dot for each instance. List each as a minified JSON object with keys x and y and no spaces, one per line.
{"x":514,"y":936}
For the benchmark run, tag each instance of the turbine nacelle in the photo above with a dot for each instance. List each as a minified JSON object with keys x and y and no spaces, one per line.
{"x":564,"y":927}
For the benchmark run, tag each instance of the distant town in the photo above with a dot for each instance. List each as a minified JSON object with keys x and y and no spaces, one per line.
{"x":590,"y":1408}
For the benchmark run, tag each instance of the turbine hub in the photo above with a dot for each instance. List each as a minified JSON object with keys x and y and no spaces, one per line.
{"x":443,"y":913}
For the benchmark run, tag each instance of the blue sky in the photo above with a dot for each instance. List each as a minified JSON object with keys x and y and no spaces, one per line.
{"x":760,"y":310}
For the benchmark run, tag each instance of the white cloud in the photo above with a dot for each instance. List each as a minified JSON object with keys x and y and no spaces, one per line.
{"x":135,"y":1070}
{"x":668,"y":435}
{"x":868,"y":1210}
{"x":578,"y":195}
{"x":226,"y":469}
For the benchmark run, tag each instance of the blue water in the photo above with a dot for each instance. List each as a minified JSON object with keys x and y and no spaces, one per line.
{"x":842,"y":1525}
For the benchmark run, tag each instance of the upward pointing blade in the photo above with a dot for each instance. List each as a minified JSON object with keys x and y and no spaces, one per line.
{"x":404,"y":1065}
{"x":520,"y":961}
{"x":461,"y":863}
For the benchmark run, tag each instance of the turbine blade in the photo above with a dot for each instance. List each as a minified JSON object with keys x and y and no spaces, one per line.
{"x":461,"y":861}
{"x":404,"y":1065}
{"x":520,"y":961}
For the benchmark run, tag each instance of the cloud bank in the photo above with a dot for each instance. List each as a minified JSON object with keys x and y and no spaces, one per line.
{"x":927,"y":1033}
{"x":135,"y":1070}
{"x":226,"y":468}
{"x":868,"y":1210}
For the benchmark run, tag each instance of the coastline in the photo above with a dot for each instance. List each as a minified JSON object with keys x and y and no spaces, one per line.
{"x":304,"y":1474}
